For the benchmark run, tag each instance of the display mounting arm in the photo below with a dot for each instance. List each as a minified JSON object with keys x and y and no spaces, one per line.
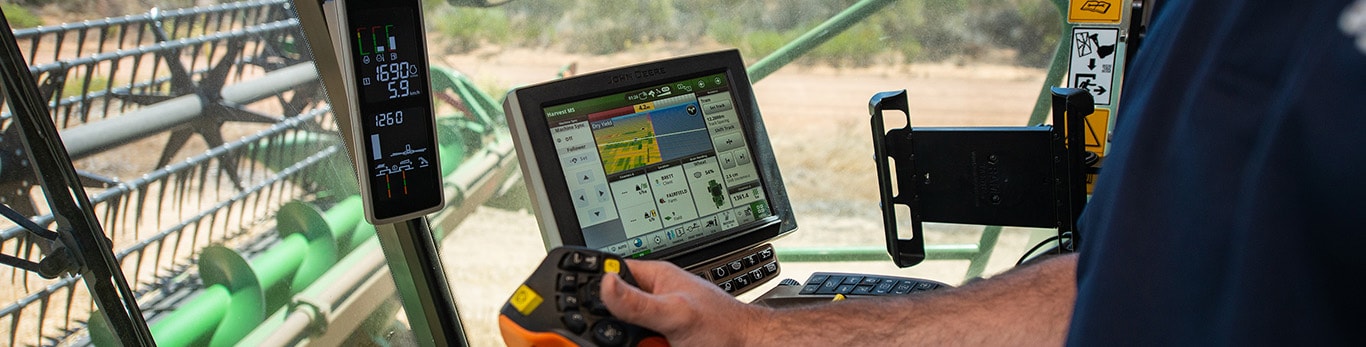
{"x":1032,"y":176}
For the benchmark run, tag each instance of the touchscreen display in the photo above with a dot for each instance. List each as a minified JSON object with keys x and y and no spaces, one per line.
{"x":657,"y":167}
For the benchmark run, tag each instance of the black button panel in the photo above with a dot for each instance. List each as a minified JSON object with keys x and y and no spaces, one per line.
{"x":741,"y":271}
{"x":827,"y":283}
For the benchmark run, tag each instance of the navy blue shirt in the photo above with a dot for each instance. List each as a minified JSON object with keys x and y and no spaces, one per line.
{"x":1232,"y":207}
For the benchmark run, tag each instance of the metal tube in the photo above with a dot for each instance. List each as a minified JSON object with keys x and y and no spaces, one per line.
{"x":348,"y":278}
{"x":814,"y":37}
{"x":872,"y":253}
{"x":275,"y":265}
{"x":332,"y":305}
{"x":343,"y":218}
{"x":88,"y":139}
{"x":191,"y":327}
{"x":410,"y":249}
{"x":279,"y":152}
{"x":986,"y":245}
{"x":280,"y":270}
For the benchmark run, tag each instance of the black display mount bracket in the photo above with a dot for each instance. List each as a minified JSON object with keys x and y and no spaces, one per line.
{"x":1029,"y":176}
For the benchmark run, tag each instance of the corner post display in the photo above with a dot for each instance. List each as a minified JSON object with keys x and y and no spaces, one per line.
{"x":372,"y":58}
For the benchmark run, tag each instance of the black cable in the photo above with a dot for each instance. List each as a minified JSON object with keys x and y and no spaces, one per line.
{"x":21,"y":263}
{"x":1036,"y":247}
{"x":27,"y":224}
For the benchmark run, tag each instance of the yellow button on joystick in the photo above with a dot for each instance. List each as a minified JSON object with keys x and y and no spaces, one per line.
{"x":611,"y":266}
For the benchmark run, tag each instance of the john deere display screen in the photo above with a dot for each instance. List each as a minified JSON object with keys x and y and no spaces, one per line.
{"x":397,"y":141}
{"x":663,"y":163}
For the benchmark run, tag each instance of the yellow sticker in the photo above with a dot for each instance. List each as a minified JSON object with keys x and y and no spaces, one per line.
{"x":645,"y":107}
{"x":611,"y":266}
{"x":838,"y":297}
{"x":1097,"y":136}
{"x":525,"y":300}
{"x":1090,"y":183}
{"x":1097,"y":131}
{"x":1095,"y":11}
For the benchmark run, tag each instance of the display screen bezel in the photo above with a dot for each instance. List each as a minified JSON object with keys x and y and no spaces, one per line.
{"x":531,"y":102}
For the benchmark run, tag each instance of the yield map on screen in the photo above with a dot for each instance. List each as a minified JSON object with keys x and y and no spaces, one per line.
{"x":657,"y":167}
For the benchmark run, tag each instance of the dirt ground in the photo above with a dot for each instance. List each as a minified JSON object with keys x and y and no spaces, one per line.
{"x":817,"y":120}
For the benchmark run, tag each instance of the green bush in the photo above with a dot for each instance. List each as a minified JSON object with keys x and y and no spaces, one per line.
{"x":758,"y":44}
{"x":604,"y":27}
{"x":1036,"y":38}
{"x":916,"y":30}
{"x":20,"y":17}
{"x":726,"y":32}
{"x":856,"y":47}
{"x":604,"y":39}
{"x":465,"y":29}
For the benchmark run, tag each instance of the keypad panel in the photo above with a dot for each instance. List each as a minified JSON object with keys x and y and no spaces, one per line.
{"x":742,"y":271}
{"x":827,"y":283}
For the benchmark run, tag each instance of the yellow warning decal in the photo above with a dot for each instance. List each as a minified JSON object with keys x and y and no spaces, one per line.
{"x":1097,"y":131}
{"x":1097,"y":136}
{"x":525,"y":300}
{"x":1095,"y":11}
{"x":611,"y":266}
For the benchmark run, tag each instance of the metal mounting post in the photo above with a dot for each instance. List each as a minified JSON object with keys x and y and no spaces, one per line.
{"x":410,"y":249}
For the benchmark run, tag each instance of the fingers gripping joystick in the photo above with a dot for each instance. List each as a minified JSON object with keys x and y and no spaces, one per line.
{"x":560,"y":305}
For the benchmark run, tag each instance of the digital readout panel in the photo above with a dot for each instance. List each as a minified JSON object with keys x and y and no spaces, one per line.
{"x":397,"y":140}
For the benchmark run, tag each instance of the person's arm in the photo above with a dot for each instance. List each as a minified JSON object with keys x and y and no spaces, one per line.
{"x":1030,"y":305}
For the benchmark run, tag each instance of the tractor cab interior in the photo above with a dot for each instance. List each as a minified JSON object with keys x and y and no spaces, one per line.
{"x":285,"y":172}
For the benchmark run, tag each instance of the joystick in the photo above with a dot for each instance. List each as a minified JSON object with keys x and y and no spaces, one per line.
{"x":560,"y":305}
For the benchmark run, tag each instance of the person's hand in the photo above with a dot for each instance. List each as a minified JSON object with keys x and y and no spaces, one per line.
{"x":687,"y":309}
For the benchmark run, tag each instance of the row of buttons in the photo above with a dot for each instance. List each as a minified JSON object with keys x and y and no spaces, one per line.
{"x":746,"y":262}
{"x":827,"y":283}
{"x":752,"y":277}
{"x":738,"y":273}
{"x":578,"y":286}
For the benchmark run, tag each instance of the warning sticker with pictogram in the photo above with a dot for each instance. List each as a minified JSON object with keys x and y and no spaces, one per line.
{"x":1093,"y":61}
{"x":1097,"y":131}
{"x":1094,"y":11}
{"x":1097,"y":136}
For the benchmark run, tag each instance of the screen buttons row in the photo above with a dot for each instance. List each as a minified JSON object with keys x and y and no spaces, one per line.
{"x":742,"y":271}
